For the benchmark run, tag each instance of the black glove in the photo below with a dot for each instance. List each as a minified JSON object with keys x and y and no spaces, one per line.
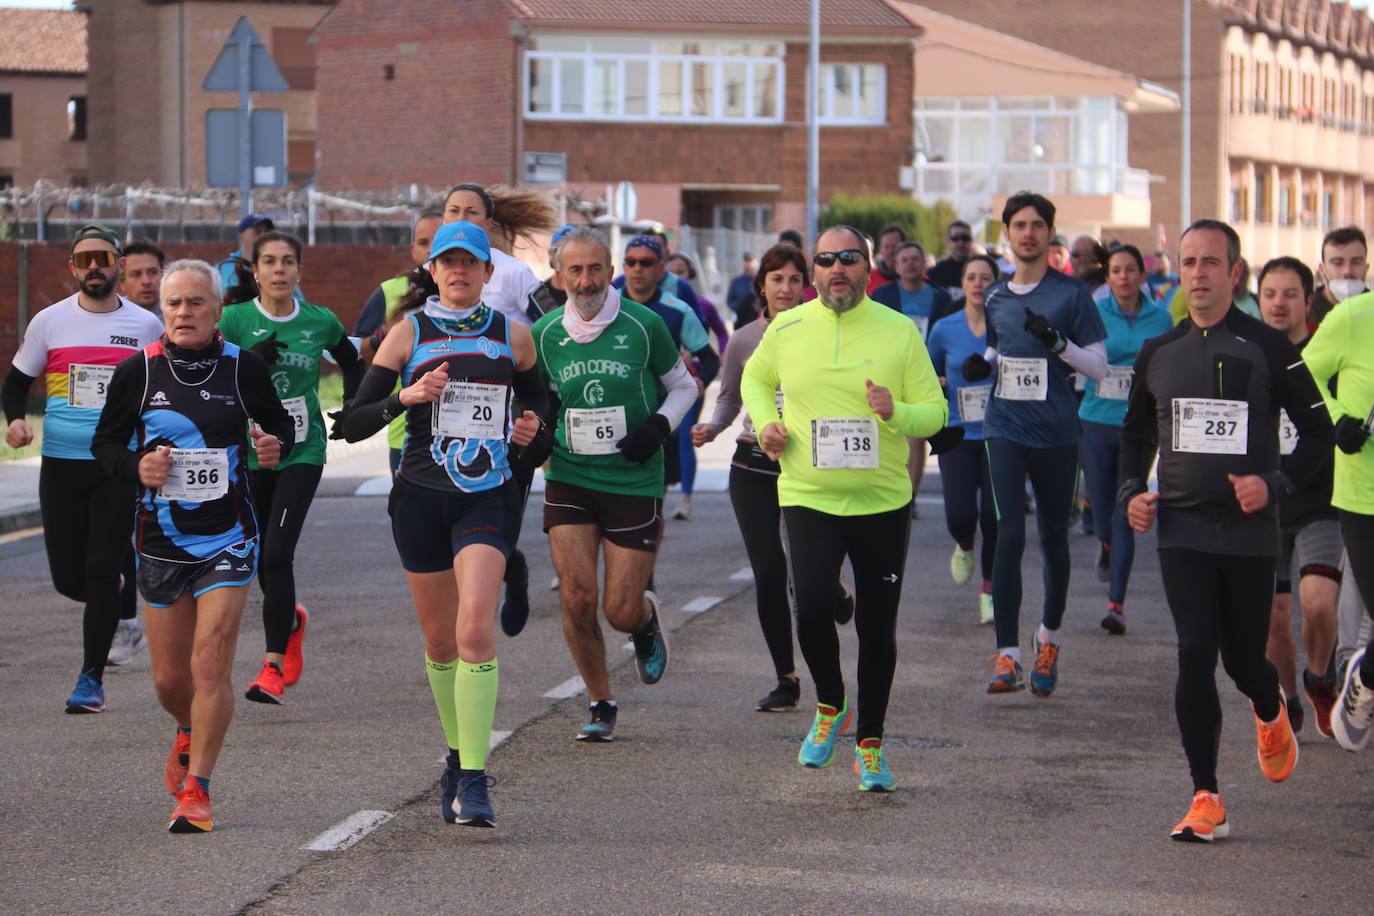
{"x":269,"y":348}
{"x":1039,"y":326}
{"x":536,"y":453}
{"x":644,"y":441}
{"x":337,"y":424}
{"x":1350,"y":435}
{"x":976,"y":368}
{"x":946,"y":439}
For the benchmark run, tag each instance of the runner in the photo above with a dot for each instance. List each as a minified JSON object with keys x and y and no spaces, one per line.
{"x":1207,"y":395}
{"x":183,"y":401}
{"x":142,"y":276}
{"x":964,"y":475}
{"x":1042,"y":325}
{"x":857,"y":384}
{"x":449,"y":499}
{"x":607,"y":357}
{"x":75,"y":345}
{"x":290,"y":334}
{"x":1131,"y":317}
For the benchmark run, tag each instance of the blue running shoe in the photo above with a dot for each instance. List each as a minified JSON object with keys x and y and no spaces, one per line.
{"x":1044,"y":674}
{"x":870,"y":763}
{"x":474,"y":805}
{"x":448,"y":786}
{"x":600,"y":726}
{"x":88,"y":696}
{"x":651,"y":647}
{"x":818,"y":750}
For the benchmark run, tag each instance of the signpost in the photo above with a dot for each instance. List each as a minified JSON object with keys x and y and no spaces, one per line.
{"x":245,"y":67}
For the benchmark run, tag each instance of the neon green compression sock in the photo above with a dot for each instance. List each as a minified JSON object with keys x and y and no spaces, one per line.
{"x":474,"y":697}
{"x":441,"y":680}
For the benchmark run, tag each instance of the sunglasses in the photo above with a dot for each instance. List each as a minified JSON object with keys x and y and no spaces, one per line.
{"x":641,"y":262}
{"x":87,"y":259}
{"x":961,"y":238}
{"x":849,"y":257}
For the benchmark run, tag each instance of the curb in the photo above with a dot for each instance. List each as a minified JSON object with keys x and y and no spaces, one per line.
{"x":20,"y":518}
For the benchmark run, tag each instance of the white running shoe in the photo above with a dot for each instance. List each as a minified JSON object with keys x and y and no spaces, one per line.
{"x":961,"y":565}
{"x":129,"y":638}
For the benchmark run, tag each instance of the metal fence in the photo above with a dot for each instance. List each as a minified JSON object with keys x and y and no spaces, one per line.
{"x":719,"y":254}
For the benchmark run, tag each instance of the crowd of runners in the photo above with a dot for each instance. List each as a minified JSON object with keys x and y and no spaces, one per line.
{"x":183,"y":441}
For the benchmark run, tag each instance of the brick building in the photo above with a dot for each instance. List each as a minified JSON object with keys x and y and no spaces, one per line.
{"x":702,"y":106}
{"x":42,"y":96}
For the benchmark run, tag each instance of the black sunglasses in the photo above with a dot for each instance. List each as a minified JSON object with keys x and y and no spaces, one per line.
{"x":640,"y":262}
{"x":961,"y":238}
{"x":849,"y":257}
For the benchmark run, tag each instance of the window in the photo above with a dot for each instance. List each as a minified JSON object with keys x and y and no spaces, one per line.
{"x":294,"y":56}
{"x":1240,"y":205}
{"x":1262,"y":202}
{"x":76,"y":117}
{"x":1286,"y":205}
{"x":853,"y":94}
{"x":6,"y":116}
{"x":612,"y":79}
{"x":747,"y":217}
{"x":6,"y":181}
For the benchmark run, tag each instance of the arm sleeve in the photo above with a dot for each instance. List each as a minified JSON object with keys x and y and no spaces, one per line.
{"x":935,"y":347}
{"x":15,"y":395}
{"x":716,"y":323}
{"x":710,"y":364}
{"x":346,"y":355}
{"x":1139,"y":434}
{"x":728,"y":401}
{"x":261,"y":401}
{"x":759,"y":381}
{"x":374,"y":313}
{"x":374,"y":406}
{"x":529,"y":387}
{"x":1299,"y":395}
{"x":920,"y":408}
{"x":1090,"y":360}
{"x":119,"y":418}
{"x":681,"y":393}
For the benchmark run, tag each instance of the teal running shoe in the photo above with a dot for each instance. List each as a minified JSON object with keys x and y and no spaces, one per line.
{"x":818,"y":750}
{"x":870,"y":764}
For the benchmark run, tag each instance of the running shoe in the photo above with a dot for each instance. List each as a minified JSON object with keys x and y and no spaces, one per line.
{"x":1115,"y":621}
{"x":785,"y":696}
{"x":294,"y":660}
{"x":1007,"y":676}
{"x":448,"y":789}
{"x":178,"y":762}
{"x":89,"y":695}
{"x":474,"y":804}
{"x":192,"y":813}
{"x":268,"y":686}
{"x":515,"y":610}
{"x":961,"y":565}
{"x":683,"y":512}
{"x":1044,"y":674}
{"x":1354,"y":708}
{"x":1205,"y":821}
{"x":986,"y":613}
{"x":651,"y":646}
{"x":1321,"y":693}
{"x":1295,"y":713}
{"x":601,"y":724}
{"x":844,"y":610}
{"x":870,"y":765}
{"x":1104,"y":564}
{"x":818,"y":749}
{"x":129,"y":639}
{"x":1277,"y":748}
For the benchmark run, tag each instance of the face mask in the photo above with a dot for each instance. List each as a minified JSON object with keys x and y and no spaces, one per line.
{"x":1343,"y":288}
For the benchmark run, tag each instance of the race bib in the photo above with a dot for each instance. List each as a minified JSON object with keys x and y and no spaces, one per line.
{"x":198,"y":475}
{"x":1116,"y":384}
{"x":973,"y":402}
{"x":922,"y":324}
{"x":469,"y":410}
{"x":300,"y":416}
{"x":844,"y":442}
{"x":595,"y":430}
{"x":86,"y":384}
{"x":1288,"y":434}
{"x":1209,"y":426}
{"x":1022,"y":378}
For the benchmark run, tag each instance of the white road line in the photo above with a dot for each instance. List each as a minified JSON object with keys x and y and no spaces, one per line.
{"x":702,"y":603}
{"x":744,"y":575}
{"x":569,"y":688}
{"x":348,"y":831}
{"x":497,"y":736}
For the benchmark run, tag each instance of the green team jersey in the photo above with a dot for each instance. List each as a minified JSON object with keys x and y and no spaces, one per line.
{"x":607,"y":387}
{"x":306,"y":333}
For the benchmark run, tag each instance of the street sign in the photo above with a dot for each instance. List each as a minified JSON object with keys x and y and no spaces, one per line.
{"x":245,"y":67}
{"x":267,"y":144}
{"x":263,"y":75}
{"x":546,"y":168}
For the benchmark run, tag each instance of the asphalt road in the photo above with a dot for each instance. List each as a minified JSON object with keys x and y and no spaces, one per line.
{"x":1005,"y":803}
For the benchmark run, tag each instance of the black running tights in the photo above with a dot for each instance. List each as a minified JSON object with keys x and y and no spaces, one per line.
{"x":282,"y":498}
{"x":1358,"y":533}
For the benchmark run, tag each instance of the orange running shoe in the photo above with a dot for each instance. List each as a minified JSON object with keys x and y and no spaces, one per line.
{"x":294,"y":661}
{"x":178,"y":762}
{"x":1007,"y":676}
{"x":268,"y":686}
{"x":1206,"y":820}
{"x":1278,"y":749}
{"x":192,"y":813}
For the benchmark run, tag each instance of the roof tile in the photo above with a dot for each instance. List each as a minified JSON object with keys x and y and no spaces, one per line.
{"x":835,"y":14}
{"x":42,"y":41}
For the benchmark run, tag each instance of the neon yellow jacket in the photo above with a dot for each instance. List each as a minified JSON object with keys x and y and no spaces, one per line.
{"x":393,"y":291}
{"x":1344,"y":343}
{"x":822,"y":362}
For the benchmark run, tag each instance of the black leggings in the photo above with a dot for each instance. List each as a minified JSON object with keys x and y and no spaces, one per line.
{"x":282,"y":499}
{"x":969,"y":505}
{"x":1053,"y":474}
{"x":876,"y":546}
{"x":755,"y":498}
{"x":517,"y":495}
{"x":1358,"y":533}
{"x":88,"y":521}
{"x":1220,"y":605}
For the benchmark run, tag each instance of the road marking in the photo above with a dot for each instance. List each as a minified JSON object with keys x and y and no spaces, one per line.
{"x":497,"y":737}
{"x":348,"y":831}
{"x":703,"y":603}
{"x":744,"y":575}
{"x":20,"y":535}
{"x":377,"y":486}
{"x":569,"y":688}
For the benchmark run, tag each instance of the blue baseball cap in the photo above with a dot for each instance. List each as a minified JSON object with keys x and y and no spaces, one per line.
{"x":254,"y":219}
{"x":464,"y":235}
{"x":560,"y":234}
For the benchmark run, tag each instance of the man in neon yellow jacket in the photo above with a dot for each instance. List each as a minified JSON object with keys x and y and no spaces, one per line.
{"x":856,"y":384}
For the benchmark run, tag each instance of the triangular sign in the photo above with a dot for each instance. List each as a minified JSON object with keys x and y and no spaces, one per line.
{"x":263,"y":75}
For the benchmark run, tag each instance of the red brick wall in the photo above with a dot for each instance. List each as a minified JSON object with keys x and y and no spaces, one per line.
{"x":340,"y":277}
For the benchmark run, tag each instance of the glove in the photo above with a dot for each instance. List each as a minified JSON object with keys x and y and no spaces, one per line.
{"x":976,"y":368}
{"x":336,"y":426}
{"x":644,"y":441}
{"x":269,"y":348}
{"x":1350,"y":435}
{"x":1039,"y":327}
{"x":946,"y":439}
{"x":536,"y":453}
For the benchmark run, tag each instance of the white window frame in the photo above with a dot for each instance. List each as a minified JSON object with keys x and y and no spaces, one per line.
{"x":826,"y":111}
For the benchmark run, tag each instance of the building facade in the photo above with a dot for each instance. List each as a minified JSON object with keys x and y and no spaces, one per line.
{"x":42,"y":97}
